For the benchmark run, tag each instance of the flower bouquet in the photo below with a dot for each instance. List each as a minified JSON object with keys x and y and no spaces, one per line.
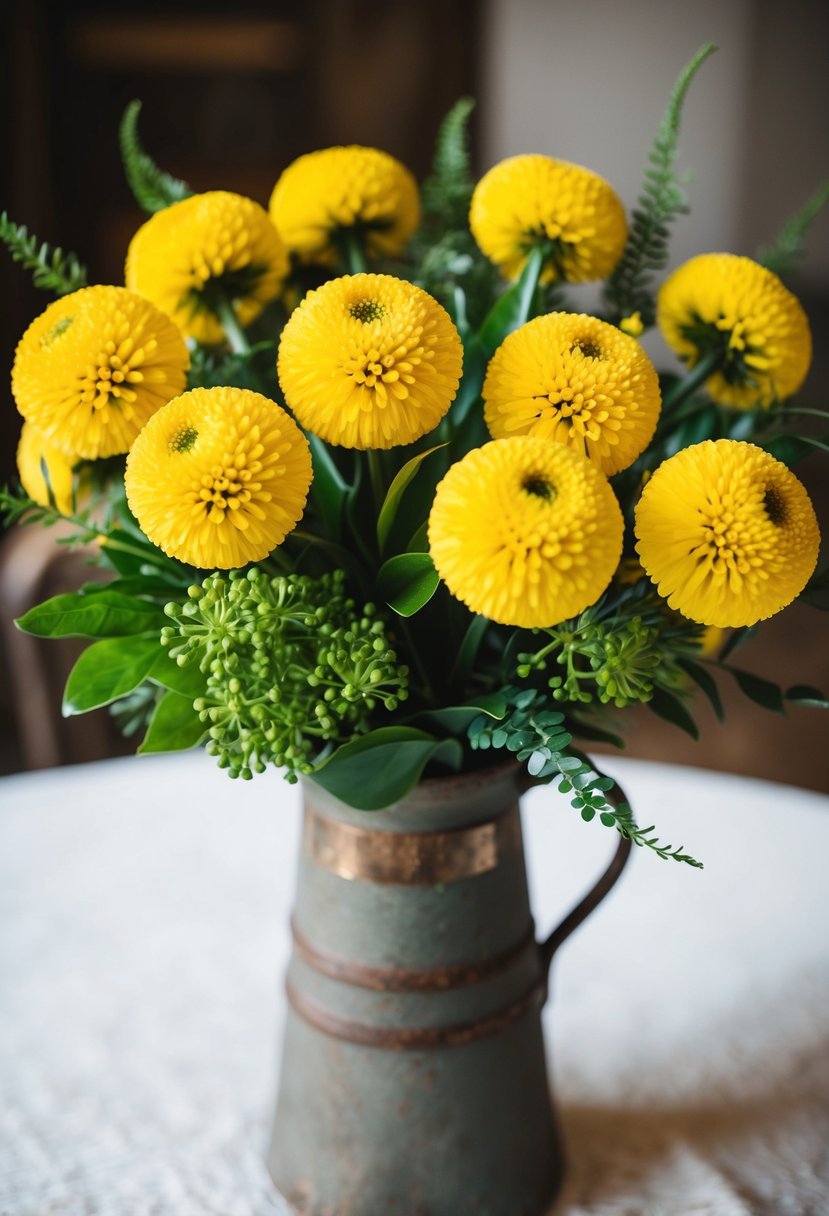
{"x":378,"y":503}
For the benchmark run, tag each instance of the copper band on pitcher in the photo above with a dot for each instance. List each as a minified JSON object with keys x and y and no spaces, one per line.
{"x":409,"y":858}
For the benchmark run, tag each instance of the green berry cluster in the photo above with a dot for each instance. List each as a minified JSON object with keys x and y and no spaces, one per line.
{"x":620,"y":661}
{"x":291,"y":665}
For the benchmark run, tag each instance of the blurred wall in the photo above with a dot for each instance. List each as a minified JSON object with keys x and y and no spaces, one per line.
{"x":588,"y":81}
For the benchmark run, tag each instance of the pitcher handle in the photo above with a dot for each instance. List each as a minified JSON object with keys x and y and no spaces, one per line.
{"x":594,"y":896}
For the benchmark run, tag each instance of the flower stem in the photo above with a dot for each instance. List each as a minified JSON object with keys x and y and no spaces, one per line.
{"x":699,"y":373}
{"x":236,"y":337}
{"x":378,"y":477}
{"x":351,"y":252}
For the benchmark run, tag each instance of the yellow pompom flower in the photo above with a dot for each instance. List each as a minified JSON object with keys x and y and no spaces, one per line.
{"x":574,"y":380}
{"x":337,"y":192}
{"x":727,"y":533}
{"x":525,"y":532}
{"x":533,"y":200}
{"x":33,"y":452}
{"x":92,"y":368}
{"x":722,"y":305}
{"x":369,"y":361}
{"x":219,"y":477}
{"x":207,"y":249}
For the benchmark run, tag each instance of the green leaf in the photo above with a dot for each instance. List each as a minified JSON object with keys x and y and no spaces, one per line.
{"x":762,"y":692}
{"x":512,"y":309}
{"x":468,"y":651}
{"x":407,"y":581}
{"x":789,"y":449}
{"x":189,"y":681}
{"x":153,"y":189}
{"x":707,"y":683}
{"x":101,"y":613}
{"x":328,"y":488}
{"x":455,"y":719}
{"x":378,"y":769}
{"x":804,"y":694}
{"x":51,"y":268}
{"x":446,"y":193}
{"x":789,"y":246}
{"x":736,"y":639}
{"x":108,"y":670}
{"x":404,"y":476}
{"x":174,"y":726}
{"x":474,"y":370}
{"x":669,"y":707}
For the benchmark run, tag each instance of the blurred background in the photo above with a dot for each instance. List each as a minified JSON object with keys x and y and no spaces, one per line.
{"x":232,"y":94}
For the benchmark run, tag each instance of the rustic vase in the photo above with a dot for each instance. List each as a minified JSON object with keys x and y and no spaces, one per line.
{"x":413,"y":1075}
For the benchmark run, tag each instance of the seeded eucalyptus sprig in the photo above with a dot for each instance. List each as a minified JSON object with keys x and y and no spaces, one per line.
{"x":539,"y":737}
{"x":291,"y":663}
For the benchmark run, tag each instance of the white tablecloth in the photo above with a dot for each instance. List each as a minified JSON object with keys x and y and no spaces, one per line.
{"x":143,"y":933}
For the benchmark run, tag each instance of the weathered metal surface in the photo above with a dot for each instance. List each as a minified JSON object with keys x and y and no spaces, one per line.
{"x":413,"y":1077}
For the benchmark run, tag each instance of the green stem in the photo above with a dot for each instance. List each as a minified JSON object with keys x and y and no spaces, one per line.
{"x":352,"y":253}
{"x":378,"y":478}
{"x":699,"y":373}
{"x":237,"y":339}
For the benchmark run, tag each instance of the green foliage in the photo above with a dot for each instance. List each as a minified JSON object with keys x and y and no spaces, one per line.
{"x":51,"y":268}
{"x":379,"y":768}
{"x":290,"y":665}
{"x":789,"y":246}
{"x":407,"y":581}
{"x":108,"y":670}
{"x":538,"y":736}
{"x":624,"y":649}
{"x":174,"y":725}
{"x":153,"y":189}
{"x":447,"y":193}
{"x":630,"y":288}
{"x":515,"y":305}
{"x":95,"y":612}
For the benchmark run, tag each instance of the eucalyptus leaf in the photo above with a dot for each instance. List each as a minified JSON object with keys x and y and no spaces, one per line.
{"x":376,"y":770}
{"x":174,"y":726}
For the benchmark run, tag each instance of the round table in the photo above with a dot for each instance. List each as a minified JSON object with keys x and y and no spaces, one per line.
{"x":144,"y":930}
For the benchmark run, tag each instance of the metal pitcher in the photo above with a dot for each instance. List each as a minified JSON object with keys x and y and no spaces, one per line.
{"x":413,"y":1073}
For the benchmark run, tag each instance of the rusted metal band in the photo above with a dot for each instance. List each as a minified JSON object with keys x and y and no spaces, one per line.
{"x":409,"y":858}
{"x":399,"y":979}
{"x":414,"y":1038}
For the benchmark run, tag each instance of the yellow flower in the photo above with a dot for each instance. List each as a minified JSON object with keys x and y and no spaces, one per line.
{"x":33,"y":452}
{"x":534,"y":200}
{"x":369,"y":361}
{"x":574,"y":380}
{"x":525,"y":532}
{"x":719,"y":303}
{"x":211,"y":245}
{"x":727,"y":533}
{"x":219,"y":477}
{"x":633,"y":325}
{"x":345,"y":191}
{"x":92,"y":368}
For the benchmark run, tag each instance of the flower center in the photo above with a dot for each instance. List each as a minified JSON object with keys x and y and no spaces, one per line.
{"x":775,"y":505}
{"x":589,"y":349}
{"x":184,"y":439}
{"x":538,"y":485}
{"x":367,"y":310}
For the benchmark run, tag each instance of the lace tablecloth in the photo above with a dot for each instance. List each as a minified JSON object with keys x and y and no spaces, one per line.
{"x":143,"y":933}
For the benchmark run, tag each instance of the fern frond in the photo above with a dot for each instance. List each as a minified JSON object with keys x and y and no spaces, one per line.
{"x":447,"y":192}
{"x":51,"y":268}
{"x":152,"y":187}
{"x":630,"y":288}
{"x":788,"y":247}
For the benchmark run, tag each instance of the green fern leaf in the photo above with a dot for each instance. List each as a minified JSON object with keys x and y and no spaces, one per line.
{"x":630,"y":288}
{"x":788,"y":247}
{"x":51,"y":268}
{"x":447,"y":192}
{"x":152,"y":187}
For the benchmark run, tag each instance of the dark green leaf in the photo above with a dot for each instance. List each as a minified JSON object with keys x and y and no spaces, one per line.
{"x":803,"y":694}
{"x":96,"y":613}
{"x":763,"y":692}
{"x":108,"y":670}
{"x":407,"y":582}
{"x":789,"y":449}
{"x":328,"y":488}
{"x":378,"y":769}
{"x":389,"y":509}
{"x":512,"y":309}
{"x":707,"y":683}
{"x":669,"y":707}
{"x":474,"y":369}
{"x":174,"y":726}
{"x":455,"y":719}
